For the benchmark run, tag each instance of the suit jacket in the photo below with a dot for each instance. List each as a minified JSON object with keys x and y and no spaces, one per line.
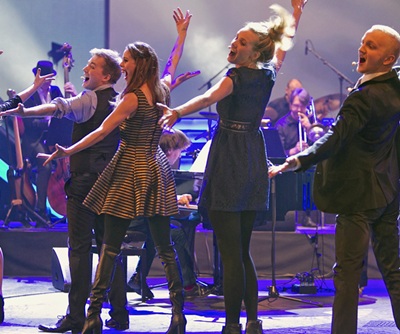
{"x":358,"y":167}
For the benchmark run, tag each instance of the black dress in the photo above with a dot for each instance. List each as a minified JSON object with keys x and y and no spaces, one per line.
{"x":236,"y":175}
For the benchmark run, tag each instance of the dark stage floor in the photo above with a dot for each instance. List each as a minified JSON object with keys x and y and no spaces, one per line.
{"x":33,"y":301}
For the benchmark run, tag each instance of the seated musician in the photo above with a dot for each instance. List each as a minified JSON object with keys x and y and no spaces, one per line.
{"x":172,"y":143}
{"x":289,"y":126}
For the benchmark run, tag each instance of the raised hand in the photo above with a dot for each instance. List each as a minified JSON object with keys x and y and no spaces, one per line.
{"x":40,"y":80}
{"x":299,"y":3}
{"x":182,"y":22}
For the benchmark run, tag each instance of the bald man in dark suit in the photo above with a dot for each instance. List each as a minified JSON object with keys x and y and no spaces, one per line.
{"x":357,"y":176}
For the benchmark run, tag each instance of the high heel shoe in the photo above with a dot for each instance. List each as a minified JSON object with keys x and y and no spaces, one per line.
{"x":177,"y":325}
{"x":93,"y":325}
{"x":254,"y":327}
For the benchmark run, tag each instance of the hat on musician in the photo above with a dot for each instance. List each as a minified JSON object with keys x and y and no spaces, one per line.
{"x":45,"y":66}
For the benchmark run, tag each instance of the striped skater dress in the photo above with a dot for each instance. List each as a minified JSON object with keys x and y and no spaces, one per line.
{"x":138,"y":181}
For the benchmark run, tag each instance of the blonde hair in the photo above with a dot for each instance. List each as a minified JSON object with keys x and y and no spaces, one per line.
{"x":275,"y":33}
{"x":392,"y":33}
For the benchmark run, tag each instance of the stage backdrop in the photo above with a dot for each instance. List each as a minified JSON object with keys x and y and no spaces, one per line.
{"x":334,"y":28}
{"x":29,"y":27}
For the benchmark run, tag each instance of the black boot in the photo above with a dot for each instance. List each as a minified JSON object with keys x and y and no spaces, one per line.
{"x":232,"y":329}
{"x":254,"y":327}
{"x":175,"y":287}
{"x":104,"y":271}
{"x":117,"y":297}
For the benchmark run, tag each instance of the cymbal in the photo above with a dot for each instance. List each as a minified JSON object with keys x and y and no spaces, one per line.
{"x":328,"y":106}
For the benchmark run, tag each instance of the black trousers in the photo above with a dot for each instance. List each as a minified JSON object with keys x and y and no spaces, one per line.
{"x":353,"y":232}
{"x":82,"y":222}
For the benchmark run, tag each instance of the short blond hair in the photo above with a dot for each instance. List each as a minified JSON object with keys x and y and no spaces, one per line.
{"x":393,"y":34}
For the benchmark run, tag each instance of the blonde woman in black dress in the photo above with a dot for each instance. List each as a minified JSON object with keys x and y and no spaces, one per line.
{"x":235,"y":184}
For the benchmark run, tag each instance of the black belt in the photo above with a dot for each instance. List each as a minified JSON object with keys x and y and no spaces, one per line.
{"x":237,"y":126}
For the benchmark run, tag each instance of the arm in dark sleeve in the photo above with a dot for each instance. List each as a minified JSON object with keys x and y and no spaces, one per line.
{"x":11,"y":103}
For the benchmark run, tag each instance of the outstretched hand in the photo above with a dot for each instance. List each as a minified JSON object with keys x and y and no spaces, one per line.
{"x":60,"y":152}
{"x":19,"y":111}
{"x":289,"y":165}
{"x":169,"y":118}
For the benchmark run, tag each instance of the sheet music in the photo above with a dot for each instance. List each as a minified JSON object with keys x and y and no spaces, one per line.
{"x":199,"y":165}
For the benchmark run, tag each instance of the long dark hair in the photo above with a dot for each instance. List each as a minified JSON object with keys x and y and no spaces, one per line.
{"x":147,"y":70}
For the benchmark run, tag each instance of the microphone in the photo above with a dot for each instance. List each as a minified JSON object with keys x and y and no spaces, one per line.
{"x":354,"y":63}
{"x":306,"y":50}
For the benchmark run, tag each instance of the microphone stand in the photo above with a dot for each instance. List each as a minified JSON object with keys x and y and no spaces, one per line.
{"x":208,"y":83}
{"x":341,"y":76}
{"x":272,"y":290}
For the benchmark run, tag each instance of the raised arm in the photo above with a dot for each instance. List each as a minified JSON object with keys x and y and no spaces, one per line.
{"x":182,"y":25}
{"x":298,"y":6}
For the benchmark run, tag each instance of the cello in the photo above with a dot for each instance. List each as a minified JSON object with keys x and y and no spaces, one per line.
{"x":55,"y":189}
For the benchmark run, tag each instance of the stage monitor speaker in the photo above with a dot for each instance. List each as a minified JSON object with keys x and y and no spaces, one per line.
{"x":60,"y":273}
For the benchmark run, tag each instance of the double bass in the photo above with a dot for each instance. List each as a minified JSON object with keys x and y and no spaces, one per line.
{"x":55,"y":189}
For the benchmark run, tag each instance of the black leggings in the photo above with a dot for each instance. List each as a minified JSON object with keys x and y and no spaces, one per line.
{"x":233,"y":233}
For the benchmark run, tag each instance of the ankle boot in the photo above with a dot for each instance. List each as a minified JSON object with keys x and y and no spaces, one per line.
{"x":104,"y":271}
{"x":175,"y":287}
{"x":254,"y":327}
{"x":232,"y":329}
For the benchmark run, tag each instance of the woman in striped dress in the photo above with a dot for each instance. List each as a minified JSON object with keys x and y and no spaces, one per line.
{"x":138,"y":182}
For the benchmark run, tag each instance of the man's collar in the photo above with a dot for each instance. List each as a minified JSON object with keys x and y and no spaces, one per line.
{"x":370,"y":76}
